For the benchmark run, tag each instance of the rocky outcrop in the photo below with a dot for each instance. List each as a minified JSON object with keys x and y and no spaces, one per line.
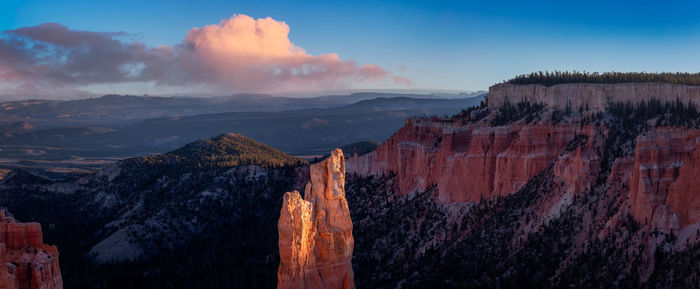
{"x":594,"y":96}
{"x":665,"y":184}
{"x":315,"y":233}
{"x":474,"y":161}
{"x":621,"y":190}
{"x":29,"y":263}
{"x":468,"y":162}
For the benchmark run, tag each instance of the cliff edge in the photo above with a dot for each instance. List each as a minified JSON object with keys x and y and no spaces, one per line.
{"x":631,"y":170}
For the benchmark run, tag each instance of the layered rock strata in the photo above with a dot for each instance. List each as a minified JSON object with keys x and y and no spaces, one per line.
{"x":474,"y":161}
{"x":315,"y":233}
{"x":468,"y":162}
{"x":29,"y":264}
{"x":665,"y":182}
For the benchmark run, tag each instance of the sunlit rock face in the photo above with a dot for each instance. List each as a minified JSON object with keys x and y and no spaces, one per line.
{"x":29,"y":263}
{"x":315,"y":233}
{"x":594,"y":96}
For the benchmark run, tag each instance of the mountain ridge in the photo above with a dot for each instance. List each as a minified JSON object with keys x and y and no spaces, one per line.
{"x":113,"y":107}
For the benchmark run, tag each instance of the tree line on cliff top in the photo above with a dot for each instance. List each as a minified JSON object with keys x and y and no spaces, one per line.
{"x":558,"y":77}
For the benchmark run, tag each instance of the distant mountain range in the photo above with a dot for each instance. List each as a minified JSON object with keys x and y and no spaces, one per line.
{"x":125,"y":126}
{"x":111,"y":108}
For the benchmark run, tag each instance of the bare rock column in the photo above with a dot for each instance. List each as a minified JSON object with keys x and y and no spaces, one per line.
{"x":315,"y":233}
{"x":26,"y":261}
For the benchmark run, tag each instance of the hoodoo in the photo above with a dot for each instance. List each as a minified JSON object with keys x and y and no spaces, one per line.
{"x":315,"y":233}
{"x":29,"y":263}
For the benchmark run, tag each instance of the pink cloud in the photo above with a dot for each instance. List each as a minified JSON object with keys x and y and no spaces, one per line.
{"x":401,"y":80}
{"x":255,"y":55}
{"x":238,"y":54}
{"x":243,"y":36}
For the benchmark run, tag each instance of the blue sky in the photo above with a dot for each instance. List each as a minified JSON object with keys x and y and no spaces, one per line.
{"x":442,"y":44}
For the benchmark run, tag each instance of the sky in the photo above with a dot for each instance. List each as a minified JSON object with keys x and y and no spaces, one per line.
{"x":219,"y":47}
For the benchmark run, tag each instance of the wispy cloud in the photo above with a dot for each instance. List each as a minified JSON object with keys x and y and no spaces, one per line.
{"x":238,"y":54}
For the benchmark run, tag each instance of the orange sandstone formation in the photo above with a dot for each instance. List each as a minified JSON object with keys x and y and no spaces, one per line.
{"x":666,"y":179}
{"x":29,"y":263}
{"x":315,"y":233}
{"x":468,"y":162}
{"x":653,"y":178}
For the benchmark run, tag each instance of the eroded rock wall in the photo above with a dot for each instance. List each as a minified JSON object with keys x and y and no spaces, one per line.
{"x":468,"y":162}
{"x":28,"y":262}
{"x":665,"y":184}
{"x":474,"y":161}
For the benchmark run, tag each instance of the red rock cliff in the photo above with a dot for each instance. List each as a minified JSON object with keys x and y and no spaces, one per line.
{"x":471,"y":161}
{"x":29,"y":263}
{"x":315,"y":233}
{"x":604,"y":175}
{"x":665,"y":185}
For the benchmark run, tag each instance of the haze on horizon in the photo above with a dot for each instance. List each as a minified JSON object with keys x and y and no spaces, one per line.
{"x":68,"y":48}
